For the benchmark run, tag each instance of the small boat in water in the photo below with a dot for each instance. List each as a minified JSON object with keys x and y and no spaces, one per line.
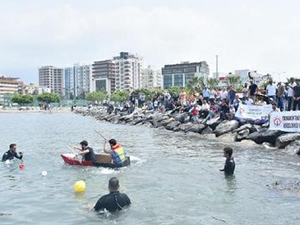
{"x":101,"y":161}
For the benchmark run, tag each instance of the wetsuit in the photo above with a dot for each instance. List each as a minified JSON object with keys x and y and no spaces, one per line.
{"x":10,"y":155}
{"x":229,"y":166}
{"x":90,"y":156}
{"x":114,"y":201}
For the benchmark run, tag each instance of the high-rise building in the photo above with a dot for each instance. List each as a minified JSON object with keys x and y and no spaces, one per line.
{"x":180,"y":74}
{"x":151,"y":78}
{"x":51,"y":77}
{"x":128,"y":71}
{"x":77,"y":80}
{"x":10,"y":85}
{"x":103,"y":76}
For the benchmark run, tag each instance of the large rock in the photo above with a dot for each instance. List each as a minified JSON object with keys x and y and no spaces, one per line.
{"x":183,"y":127}
{"x":293,"y":148}
{"x":242,"y":134}
{"x":265,"y":136}
{"x":227,"y":138}
{"x":286,"y":139}
{"x":255,"y":128}
{"x":197,"y":128}
{"x":206,"y":130}
{"x":243,"y":127}
{"x":213,"y":123}
{"x":172,"y":125}
{"x":226,"y":127}
{"x":166,"y":122}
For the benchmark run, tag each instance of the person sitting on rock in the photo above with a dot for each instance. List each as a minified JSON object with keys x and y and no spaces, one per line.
{"x":194,"y":113}
{"x":224,"y":110}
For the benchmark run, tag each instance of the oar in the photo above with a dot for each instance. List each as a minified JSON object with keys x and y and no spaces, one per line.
{"x":101,"y":135}
{"x":74,"y":154}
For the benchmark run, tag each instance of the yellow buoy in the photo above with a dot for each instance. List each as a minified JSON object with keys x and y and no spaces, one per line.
{"x":79,"y":186}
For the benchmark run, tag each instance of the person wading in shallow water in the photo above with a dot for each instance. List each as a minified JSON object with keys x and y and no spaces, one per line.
{"x":117,"y":153}
{"x":229,"y":162}
{"x":12,"y":153}
{"x":114,"y":201}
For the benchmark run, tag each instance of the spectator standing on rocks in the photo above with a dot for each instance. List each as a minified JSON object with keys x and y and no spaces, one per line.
{"x":252,"y":91}
{"x":205,"y":94}
{"x":245,"y":92}
{"x":280,"y":96}
{"x":290,"y":93}
{"x":271,"y":91}
{"x":296,"y":97}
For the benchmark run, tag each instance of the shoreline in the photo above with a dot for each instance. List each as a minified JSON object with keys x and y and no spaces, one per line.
{"x":229,"y":130}
{"x":16,"y":111}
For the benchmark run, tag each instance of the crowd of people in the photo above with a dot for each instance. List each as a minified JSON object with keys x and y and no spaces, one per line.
{"x":223,"y":102}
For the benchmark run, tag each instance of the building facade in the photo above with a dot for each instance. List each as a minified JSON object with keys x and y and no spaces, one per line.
{"x":151,"y":78}
{"x":9,"y":85}
{"x":180,"y":74}
{"x":53,"y":78}
{"x":103,"y":76}
{"x":77,"y":80}
{"x":127,"y":71}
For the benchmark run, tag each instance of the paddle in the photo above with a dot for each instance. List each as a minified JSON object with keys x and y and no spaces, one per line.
{"x":101,"y":135}
{"x":74,"y":154}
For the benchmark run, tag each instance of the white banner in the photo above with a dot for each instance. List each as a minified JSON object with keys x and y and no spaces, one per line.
{"x":285,"y":121}
{"x":253,"y":112}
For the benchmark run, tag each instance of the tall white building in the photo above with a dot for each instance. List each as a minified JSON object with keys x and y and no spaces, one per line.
{"x":77,"y":80}
{"x":151,"y":78}
{"x":127,"y":71}
{"x":52,"y":77}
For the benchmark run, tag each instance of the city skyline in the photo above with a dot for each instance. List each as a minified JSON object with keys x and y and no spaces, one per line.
{"x":246,"y":35}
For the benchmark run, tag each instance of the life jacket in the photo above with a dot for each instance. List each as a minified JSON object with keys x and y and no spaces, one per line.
{"x":118,"y":154}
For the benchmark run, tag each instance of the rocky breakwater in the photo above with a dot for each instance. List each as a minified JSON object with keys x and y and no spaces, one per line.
{"x":227,"y":131}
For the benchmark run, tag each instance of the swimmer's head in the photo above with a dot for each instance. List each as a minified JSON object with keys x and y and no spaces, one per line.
{"x":113,"y":184}
{"x":228,"y":152}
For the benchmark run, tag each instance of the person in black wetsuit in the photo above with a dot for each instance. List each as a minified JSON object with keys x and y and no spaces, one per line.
{"x":12,"y":153}
{"x":114,"y":201}
{"x":86,"y":151}
{"x":229,"y":163}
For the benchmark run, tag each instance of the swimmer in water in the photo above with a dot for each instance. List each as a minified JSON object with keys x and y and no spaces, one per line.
{"x":114,"y":201}
{"x":229,"y":162}
{"x":12,"y":153}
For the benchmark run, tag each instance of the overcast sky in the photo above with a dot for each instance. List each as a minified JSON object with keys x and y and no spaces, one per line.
{"x":263,"y":35}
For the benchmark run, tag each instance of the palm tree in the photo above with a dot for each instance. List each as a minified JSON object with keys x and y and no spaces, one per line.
{"x":233,"y":80}
{"x":196,"y":84}
{"x":212,"y":82}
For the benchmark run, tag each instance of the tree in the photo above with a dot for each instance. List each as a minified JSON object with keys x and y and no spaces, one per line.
{"x":212,"y":82}
{"x":233,"y":80}
{"x":22,"y":99}
{"x":96,"y":96}
{"x":196,"y":84}
{"x":174,"y":90}
{"x":120,"y":96}
{"x":48,"y":97}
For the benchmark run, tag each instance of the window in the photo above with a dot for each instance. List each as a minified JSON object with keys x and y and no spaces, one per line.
{"x":100,"y":85}
{"x":178,"y":80}
{"x":167,"y":81}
